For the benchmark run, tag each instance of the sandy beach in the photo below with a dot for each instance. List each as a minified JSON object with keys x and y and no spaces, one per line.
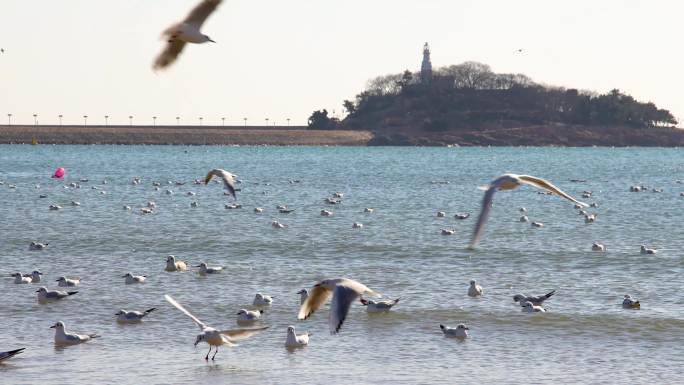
{"x":187,"y":135}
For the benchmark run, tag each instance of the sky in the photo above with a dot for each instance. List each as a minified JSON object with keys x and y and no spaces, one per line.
{"x":280,"y":59}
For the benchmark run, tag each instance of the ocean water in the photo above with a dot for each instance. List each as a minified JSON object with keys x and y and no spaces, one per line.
{"x":585,"y":337}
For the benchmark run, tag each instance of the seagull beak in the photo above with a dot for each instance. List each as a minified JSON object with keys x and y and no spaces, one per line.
{"x":467,"y":328}
{"x":37,"y":291}
{"x":53,"y":326}
{"x":212,"y":41}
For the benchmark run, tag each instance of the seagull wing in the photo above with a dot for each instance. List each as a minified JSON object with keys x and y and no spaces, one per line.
{"x":241,"y":334}
{"x":11,"y":353}
{"x":201,"y":12}
{"x":178,"y":306}
{"x":317,"y":297}
{"x":484,"y":214}
{"x":169,"y":54}
{"x":343,"y":296}
{"x":227,"y":177}
{"x":548,"y":186}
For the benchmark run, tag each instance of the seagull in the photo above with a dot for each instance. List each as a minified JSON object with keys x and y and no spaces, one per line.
{"x":194,"y":204}
{"x":537,"y":301}
{"x":524,"y":218}
{"x":52,"y":295}
{"x":357,"y":225}
{"x":598,"y":247}
{"x":262,"y":300}
{"x":368,"y":210}
{"x":10,"y":354}
{"x":228,"y":178}
{"x":277,"y":225}
{"x":62,"y":337}
{"x":537,"y":224}
{"x":379,"y":306}
{"x":21,"y":279}
{"x":590,"y":218}
{"x":528,"y":307}
{"x":475,"y":290}
{"x":129,"y":317}
{"x":68,"y":282}
{"x":462,"y":216}
{"x":258,"y":210}
{"x":343,"y":292}
{"x":303,"y":295}
{"x":146,"y":210}
{"x":448,"y":232}
{"x":247,"y":316}
{"x":74,"y":203}
{"x":204,"y":269}
{"x":510,"y":182}
{"x":33,"y":246}
{"x":460,"y":331}
{"x":630,"y":303}
{"x":35,"y":276}
{"x":55,"y":207}
{"x":441,"y":214}
{"x":212,"y":336}
{"x":131,"y":279}
{"x":326,"y":213}
{"x":186,"y":31}
{"x":173,"y":265}
{"x":294,"y":340}
{"x":645,"y":250}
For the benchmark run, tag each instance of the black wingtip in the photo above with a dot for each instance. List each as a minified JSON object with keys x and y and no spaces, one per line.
{"x":441,"y":326}
{"x":71,"y":292}
{"x":150,"y":310}
{"x":550,"y":294}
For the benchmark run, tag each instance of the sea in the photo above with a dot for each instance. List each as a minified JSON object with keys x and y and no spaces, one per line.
{"x":585,"y":337}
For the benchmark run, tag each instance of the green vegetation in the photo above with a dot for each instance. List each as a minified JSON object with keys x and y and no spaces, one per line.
{"x":470,"y":96}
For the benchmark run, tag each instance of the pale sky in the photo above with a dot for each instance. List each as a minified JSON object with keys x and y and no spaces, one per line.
{"x":283,"y":59}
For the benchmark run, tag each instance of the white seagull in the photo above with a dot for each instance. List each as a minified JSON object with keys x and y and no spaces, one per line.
{"x":186,"y":31}
{"x":20,"y":279}
{"x":295,"y":340}
{"x":45,"y":295}
{"x":173,"y":265}
{"x":228,"y":179}
{"x":379,"y":306}
{"x":343,"y":291}
{"x":460,"y":331}
{"x":204,"y":269}
{"x":475,"y":290}
{"x":129,"y":317}
{"x":598,"y":247}
{"x":645,"y":250}
{"x":62,"y":337}
{"x":247,"y":316}
{"x":10,"y":354}
{"x":262,"y":300}
{"x":33,"y":246}
{"x":132,"y":279}
{"x":212,"y":336}
{"x":68,"y":282}
{"x":510,"y":182}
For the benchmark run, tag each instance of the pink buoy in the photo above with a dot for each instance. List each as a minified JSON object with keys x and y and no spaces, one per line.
{"x":59,"y":173}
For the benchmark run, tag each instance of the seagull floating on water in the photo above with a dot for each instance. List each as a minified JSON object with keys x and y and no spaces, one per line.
{"x":537,"y":301}
{"x":45,"y":295}
{"x":357,"y":225}
{"x":62,"y":337}
{"x":34,"y":246}
{"x":212,"y":336}
{"x":68,"y":282}
{"x":35,"y":276}
{"x":262,"y":300}
{"x":460,"y":331}
{"x":245,"y":316}
{"x":133,"y":279}
{"x":204,"y":269}
{"x":598,"y":247}
{"x":630,"y":303}
{"x":378,"y":306}
{"x":20,"y":279}
{"x":475,"y":290}
{"x":343,"y":292}
{"x":186,"y":31}
{"x":173,"y":265}
{"x":295,"y":340}
{"x":129,"y":317}
{"x":645,"y":250}
{"x":510,"y":182}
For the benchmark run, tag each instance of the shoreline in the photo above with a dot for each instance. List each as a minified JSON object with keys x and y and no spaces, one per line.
{"x":181,"y":135}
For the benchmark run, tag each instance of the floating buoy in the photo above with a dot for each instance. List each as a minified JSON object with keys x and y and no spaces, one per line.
{"x":59,"y":173}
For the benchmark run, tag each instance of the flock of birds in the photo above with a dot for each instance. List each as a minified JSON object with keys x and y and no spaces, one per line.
{"x":340,"y":292}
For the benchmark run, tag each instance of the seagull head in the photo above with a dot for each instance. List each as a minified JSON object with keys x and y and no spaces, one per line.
{"x":259,"y":296}
{"x":472,"y":282}
{"x":200,"y":338}
{"x":207,"y":38}
{"x":303,"y":291}
{"x":364,"y":301}
{"x":42,"y":289}
{"x":290,"y":329}
{"x":121,"y":311}
{"x":58,"y":325}
{"x":170,"y":258}
{"x":242,"y":311}
{"x":518,"y":297}
{"x":36,"y":272}
{"x":462,"y":327}
{"x":127,"y":275}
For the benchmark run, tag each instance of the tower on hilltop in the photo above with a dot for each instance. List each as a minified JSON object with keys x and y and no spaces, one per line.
{"x":426,"y":66}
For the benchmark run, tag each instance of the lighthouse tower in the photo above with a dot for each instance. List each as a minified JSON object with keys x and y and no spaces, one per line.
{"x":426,"y":66}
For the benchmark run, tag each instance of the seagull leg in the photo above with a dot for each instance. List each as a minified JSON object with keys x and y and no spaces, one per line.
{"x":216,"y":351}
{"x":207,"y":356}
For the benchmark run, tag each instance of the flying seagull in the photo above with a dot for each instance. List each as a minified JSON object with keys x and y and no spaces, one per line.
{"x":343,"y":292}
{"x":212,"y":336}
{"x":186,"y":31}
{"x":228,"y":179}
{"x":510,"y":182}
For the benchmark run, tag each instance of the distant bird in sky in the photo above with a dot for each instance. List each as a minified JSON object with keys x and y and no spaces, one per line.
{"x":228,"y":179}
{"x":510,"y":182}
{"x":519,"y":50}
{"x":186,"y":31}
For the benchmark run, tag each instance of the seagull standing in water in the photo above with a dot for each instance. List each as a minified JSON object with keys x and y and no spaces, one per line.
{"x":510,"y":182}
{"x":186,"y":31}
{"x":228,"y":179}
{"x":343,"y":292}
{"x":212,"y":336}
